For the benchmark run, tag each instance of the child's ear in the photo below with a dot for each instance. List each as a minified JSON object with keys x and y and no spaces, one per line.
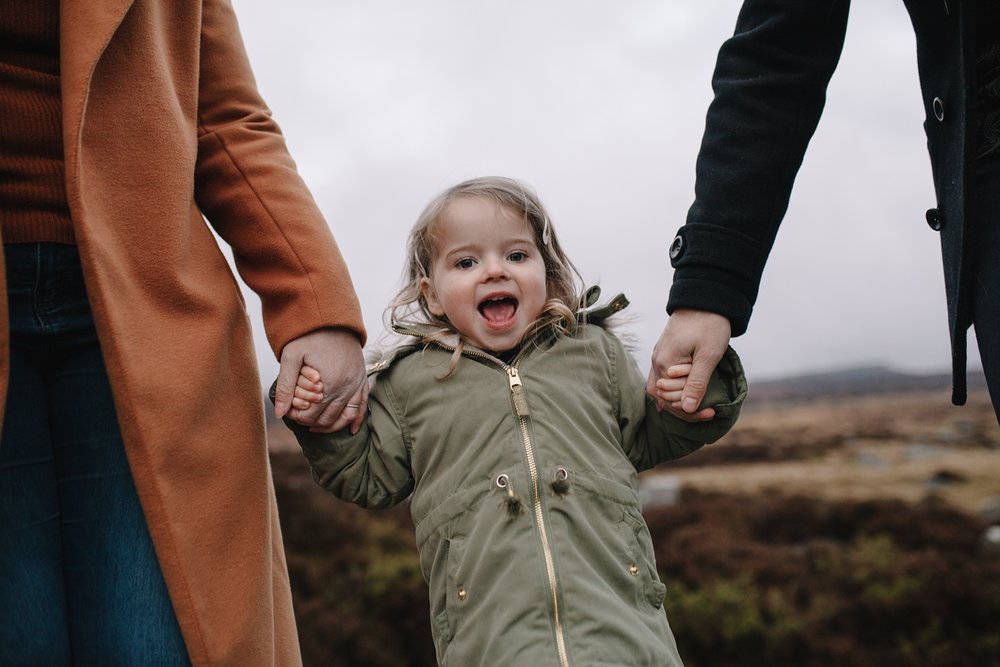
{"x":430,"y":296}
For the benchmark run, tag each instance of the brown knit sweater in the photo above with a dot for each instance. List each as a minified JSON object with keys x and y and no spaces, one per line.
{"x":32,"y":170}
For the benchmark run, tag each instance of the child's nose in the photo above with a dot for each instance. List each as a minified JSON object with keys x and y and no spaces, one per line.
{"x":496,"y":268}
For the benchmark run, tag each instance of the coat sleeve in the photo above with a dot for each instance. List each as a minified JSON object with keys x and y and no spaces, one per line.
{"x":770,"y":88}
{"x":651,"y":437}
{"x":248,"y":188}
{"x":371,"y":468}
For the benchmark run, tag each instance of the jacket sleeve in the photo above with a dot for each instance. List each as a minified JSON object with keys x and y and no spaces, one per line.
{"x":770,"y":88}
{"x":651,"y":437}
{"x":248,"y":188}
{"x":371,"y":468}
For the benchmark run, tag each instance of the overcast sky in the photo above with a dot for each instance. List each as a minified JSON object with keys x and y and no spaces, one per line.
{"x":600,"y":106}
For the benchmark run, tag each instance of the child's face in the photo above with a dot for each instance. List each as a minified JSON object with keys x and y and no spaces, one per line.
{"x":487,"y":275}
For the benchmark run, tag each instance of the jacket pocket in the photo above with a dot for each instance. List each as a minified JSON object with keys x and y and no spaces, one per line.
{"x":618,"y":527}
{"x":447,"y":595}
{"x":650,"y":589}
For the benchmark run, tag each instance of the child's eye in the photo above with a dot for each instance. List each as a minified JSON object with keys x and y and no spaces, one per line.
{"x":517,"y":256}
{"x":465,"y":263}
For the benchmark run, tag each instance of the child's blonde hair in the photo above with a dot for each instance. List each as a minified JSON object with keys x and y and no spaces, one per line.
{"x":562,"y":280}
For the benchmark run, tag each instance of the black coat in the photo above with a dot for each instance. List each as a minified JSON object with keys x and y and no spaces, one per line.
{"x":770,"y":87}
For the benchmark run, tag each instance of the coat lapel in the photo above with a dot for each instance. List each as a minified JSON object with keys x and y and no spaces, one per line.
{"x":85,"y":28}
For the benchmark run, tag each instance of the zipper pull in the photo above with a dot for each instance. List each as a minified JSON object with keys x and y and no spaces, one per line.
{"x":517,"y":391}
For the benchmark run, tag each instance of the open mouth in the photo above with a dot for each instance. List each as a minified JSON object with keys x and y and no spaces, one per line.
{"x":498,"y":311}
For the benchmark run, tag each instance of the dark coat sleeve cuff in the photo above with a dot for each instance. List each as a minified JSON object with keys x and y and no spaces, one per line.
{"x":713,"y":297}
{"x":716,"y":269}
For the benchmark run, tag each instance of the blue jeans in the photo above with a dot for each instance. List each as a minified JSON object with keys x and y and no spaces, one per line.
{"x":79,"y":580}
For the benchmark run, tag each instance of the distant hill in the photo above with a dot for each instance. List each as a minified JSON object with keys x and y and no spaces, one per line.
{"x":853,"y":382}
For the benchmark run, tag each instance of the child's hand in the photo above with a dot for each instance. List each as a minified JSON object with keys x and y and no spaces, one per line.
{"x":670,"y":389}
{"x":308,"y":389}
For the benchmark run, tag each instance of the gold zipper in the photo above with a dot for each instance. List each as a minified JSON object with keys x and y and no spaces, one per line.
{"x":521,"y":407}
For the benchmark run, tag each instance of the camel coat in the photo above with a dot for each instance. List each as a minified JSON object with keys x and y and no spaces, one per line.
{"x":162,"y":126}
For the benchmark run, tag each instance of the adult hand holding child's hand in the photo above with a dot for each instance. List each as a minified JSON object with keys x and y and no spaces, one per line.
{"x":337,"y":355}
{"x":694,"y":337}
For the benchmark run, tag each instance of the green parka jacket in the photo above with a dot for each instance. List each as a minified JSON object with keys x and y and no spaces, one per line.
{"x":524,"y":492}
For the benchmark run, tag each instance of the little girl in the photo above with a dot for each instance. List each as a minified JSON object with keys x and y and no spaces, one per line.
{"x":516,"y":424}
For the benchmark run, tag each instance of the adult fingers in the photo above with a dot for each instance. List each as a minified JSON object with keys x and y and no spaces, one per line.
{"x":362,"y":409}
{"x":351,"y":414}
{"x":288,"y":375}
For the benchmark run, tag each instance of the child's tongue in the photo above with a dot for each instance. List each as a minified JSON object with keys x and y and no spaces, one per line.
{"x":498,"y":311}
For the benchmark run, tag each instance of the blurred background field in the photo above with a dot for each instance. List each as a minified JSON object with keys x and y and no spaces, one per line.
{"x":849,"y":519}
